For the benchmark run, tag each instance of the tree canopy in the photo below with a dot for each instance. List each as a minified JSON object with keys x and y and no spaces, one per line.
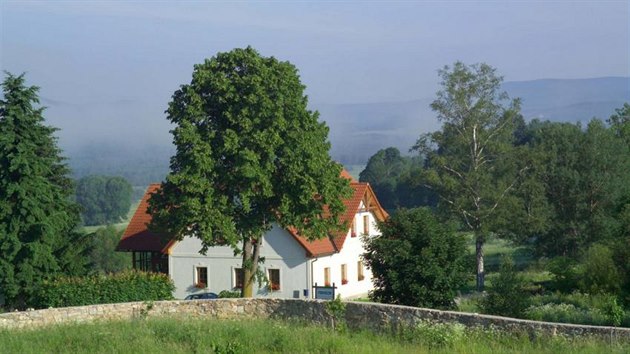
{"x":470,"y":160}
{"x":396,"y":179}
{"x":248,"y":154}
{"x":103,"y":199}
{"x":38,"y":220}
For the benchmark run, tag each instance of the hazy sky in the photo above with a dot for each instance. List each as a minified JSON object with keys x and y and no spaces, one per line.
{"x":116,"y":53}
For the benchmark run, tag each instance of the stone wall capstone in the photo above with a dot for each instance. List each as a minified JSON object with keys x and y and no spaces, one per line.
{"x":358,"y":315}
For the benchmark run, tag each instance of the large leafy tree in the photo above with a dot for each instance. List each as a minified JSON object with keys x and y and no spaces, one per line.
{"x":248,"y":154}
{"x":104,"y":199}
{"x":38,"y":220}
{"x":470,"y":159}
{"x":417,"y":261}
{"x":584,"y":176}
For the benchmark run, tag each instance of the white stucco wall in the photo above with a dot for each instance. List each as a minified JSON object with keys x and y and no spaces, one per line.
{"x":279,"y":248}
{"x":281,"y":251}
{"x":350,"y":254}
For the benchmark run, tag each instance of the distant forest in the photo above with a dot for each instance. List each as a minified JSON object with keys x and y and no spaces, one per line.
{"x":358,"y":131}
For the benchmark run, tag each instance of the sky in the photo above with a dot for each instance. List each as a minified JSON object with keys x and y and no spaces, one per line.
{"x":110,"y":67}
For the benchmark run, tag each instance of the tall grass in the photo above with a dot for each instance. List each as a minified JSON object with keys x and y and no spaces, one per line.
{"x":185,"y":335}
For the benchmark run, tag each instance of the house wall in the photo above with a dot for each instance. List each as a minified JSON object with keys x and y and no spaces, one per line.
{"x":350,"y":254}
{"x":279,"y":248}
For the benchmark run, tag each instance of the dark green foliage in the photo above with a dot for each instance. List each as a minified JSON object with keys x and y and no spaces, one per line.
{"x":226,"y":294}
{"x":507,"y":297}
{"x":38,"y":237}
{"x":599,"y":273}
{"x":565,"y":272}
{"x":417,"y":261}
{"x":396,"y":180}
{"x":248,"y":154}
{"x":103,"y":289}
{"x":620,"y":122}
{"x":103,"y":199}
{"x":104,"y":257}
{"x":584,"y":175}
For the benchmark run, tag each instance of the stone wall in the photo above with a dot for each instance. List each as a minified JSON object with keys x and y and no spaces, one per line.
{"x":358,"y":315}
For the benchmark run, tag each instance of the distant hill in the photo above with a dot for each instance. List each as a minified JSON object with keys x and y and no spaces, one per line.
{"x":357,"y":131}
{"x":135,"y":142}
{"x":571,"y":100}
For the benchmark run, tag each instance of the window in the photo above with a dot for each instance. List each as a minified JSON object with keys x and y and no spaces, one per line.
{"x":344,"y":274}
{"x":360,"y":275}
{"x":326,"y":276}
{"x":353,"y":231}
{"x":150,"y":262}
{"x":201,"y":277}
{"x":274,"y":279}
{"x":366,"y":224}
{"x":239,"y":278}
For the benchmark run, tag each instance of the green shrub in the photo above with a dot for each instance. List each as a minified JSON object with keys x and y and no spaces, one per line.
{"x":579,"y":308}
{"x":433,"y":335}
{"x":417,"y":261}
{"x":565,"y":313}
{"x":507,"y":297}
{"x":225,"y":294}
{"x":565,"y":274}
{"x":101,"y":289}
{"x":599,"y":271}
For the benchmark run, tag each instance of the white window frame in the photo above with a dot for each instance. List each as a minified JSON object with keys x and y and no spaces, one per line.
{"x":196,"y":276}
{"x":234,"y":285}
{"x":269,"y":269}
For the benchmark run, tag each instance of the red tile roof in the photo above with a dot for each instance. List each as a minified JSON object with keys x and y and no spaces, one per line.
{"x":138,"y":238}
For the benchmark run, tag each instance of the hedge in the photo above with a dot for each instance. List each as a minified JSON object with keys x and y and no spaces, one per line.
{"x":102,"y":289}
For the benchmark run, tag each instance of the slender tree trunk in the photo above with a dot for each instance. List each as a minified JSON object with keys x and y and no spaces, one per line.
{"x":479,"y":241}
{"x":251,"y":253}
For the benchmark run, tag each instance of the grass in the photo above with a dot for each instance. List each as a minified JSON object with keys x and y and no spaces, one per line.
{"x":186,"y":335}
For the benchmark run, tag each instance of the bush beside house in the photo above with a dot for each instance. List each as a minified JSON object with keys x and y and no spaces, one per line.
{"x":101,"y":289}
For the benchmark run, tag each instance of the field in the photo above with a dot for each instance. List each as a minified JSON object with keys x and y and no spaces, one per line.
{"x":176,"y":335}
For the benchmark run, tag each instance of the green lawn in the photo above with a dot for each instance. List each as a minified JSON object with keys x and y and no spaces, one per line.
{"x":179,"y":335}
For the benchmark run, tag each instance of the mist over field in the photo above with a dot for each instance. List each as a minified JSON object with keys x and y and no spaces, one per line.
{"x":131,"y":138}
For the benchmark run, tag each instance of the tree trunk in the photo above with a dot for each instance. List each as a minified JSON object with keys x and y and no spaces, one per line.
{"x":480,"y":272}
{"x":251,"y":253}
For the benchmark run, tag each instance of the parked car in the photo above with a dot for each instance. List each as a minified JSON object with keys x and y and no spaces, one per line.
{"x":202,"y":296}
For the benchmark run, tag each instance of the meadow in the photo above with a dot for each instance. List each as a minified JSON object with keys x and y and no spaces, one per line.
{"x":188,"y":335}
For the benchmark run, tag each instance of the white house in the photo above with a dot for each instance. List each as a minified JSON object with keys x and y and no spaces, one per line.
{"x":292,"y":263}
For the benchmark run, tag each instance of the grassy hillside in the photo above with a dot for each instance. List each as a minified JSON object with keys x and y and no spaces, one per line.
{"x":177,"y":335}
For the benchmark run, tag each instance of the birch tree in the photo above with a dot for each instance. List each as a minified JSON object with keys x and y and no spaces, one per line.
{"x":471,"y":165}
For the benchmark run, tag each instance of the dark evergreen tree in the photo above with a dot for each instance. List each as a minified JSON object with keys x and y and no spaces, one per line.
{"x":38,"y":238}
